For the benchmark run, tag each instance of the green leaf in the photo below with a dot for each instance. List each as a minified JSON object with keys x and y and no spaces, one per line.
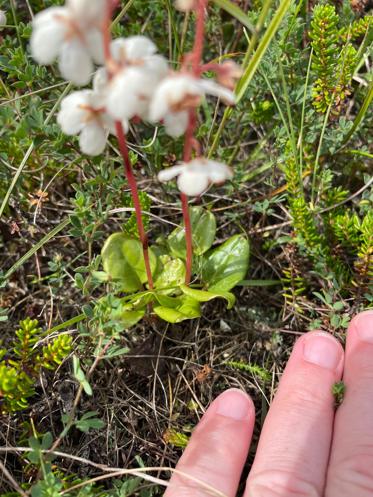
{"x":171,"y":275}
{"x":47,"y":440}
{"x":205,"y":296}
{"x":89,"y":421}
{"x":132,"y":250}
{"x":127,"y":315}
{"x":87,"y":387}
{"x":123,"y":260}
{"x":187,"y":308}
{"x":226,"y":265}
{"x":166,"y":301}
{"x":203,"y":232}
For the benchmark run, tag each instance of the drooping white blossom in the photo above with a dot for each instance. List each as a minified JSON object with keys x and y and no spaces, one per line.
{"x":2,"y":18}
{"x":140,"y":69}
{"x":71,"y":34}
{"x":83,"y":113}
{"x":185,"y":5}
{"x":179,"y":93}
{"x":195,"y":176}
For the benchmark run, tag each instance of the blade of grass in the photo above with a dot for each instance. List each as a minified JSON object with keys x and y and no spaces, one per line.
{"x":282,"y":116}
{"x":361,"y":114}
{"x":236,"y":12}
{"x":36,"y":247}
{"x":122,"y":13}
{"x":363,"y":153}
{"x":300,"y":138}
{"x":288,"y":111}
{"x":15,"y":178}
{"x":66,"y":324}
{"x":262,"y":48}
{"x":255,"y":283}
{"x":29,"y":151}
{"x":253,"y":65}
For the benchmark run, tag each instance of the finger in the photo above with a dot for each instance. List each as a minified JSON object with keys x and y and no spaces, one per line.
{"x":218,"y":448}
{"x":351,"y":463}
{"x":295,"y":442}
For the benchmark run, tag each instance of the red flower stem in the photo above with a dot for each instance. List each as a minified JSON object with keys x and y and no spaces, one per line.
{"x":135,"y":197}
{"x":188,"y":238}
{"x":196,"y":57}
{"x":200,"y":34}
{"x":106,"y":33}
{"x":122,"y":142}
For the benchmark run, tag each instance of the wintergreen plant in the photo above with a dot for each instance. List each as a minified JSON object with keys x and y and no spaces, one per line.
{"x":136,"y":82}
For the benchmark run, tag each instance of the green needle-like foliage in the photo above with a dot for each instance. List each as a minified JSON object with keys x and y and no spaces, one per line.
{"x":55,"y":352}
{"x":333,"y":65}
{"x":26,"y":337}
{"x":324,"y":35}
{"x":357,"y":29}
{"x":20,"y":366}
{"x":364,"y":264}
{"x":303,"y":219}
{"x":15,"y":387}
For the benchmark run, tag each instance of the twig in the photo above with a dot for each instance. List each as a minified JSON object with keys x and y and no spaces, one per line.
{"x":11,"y":480}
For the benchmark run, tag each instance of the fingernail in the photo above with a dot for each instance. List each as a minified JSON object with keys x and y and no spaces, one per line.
{"x":364,"y":326}
{"x":322,"y":350}
{"x":234,"y":404}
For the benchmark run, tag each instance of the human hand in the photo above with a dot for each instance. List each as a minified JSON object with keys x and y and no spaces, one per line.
{"x":306,"y":449}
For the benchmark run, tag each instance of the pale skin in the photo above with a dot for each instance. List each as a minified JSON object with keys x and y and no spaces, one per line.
{"x":307,"y":448}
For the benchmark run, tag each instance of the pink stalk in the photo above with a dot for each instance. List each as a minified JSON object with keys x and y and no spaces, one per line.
{"x":135,"y":197}
{"x":196,"y":58}
{"x":121,"y":137}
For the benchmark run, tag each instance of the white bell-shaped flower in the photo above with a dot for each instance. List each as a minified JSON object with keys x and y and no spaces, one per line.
{"x":177,"y":94}
{"x":185,"y":5}
{"x":140,"y":71}
{"x":2,"y":18}
{"x":83,"y":113}
{"x":195,"y":176}
{"x":71,"y":34}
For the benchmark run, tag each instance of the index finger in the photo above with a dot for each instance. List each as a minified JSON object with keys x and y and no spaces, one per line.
{"x":217,"y":450}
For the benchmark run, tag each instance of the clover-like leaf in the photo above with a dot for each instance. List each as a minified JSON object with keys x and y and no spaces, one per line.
{"x":123,"y":260}
{"x":203,"y":232}
{"x":205,"y":296}
{"x":226,"y":265}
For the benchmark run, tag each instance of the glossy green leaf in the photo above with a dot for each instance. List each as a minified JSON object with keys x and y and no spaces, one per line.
{"x":203,"y":232}
{"x":227,"y":264}
{"x":139,"y":300}
{"x":188,"y":308}
{"x":171,"y":274}
{"x":205,"y":296}
{"x":167,"y":301}
{"x":122,"y":258}
{"x":132,"y":250}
